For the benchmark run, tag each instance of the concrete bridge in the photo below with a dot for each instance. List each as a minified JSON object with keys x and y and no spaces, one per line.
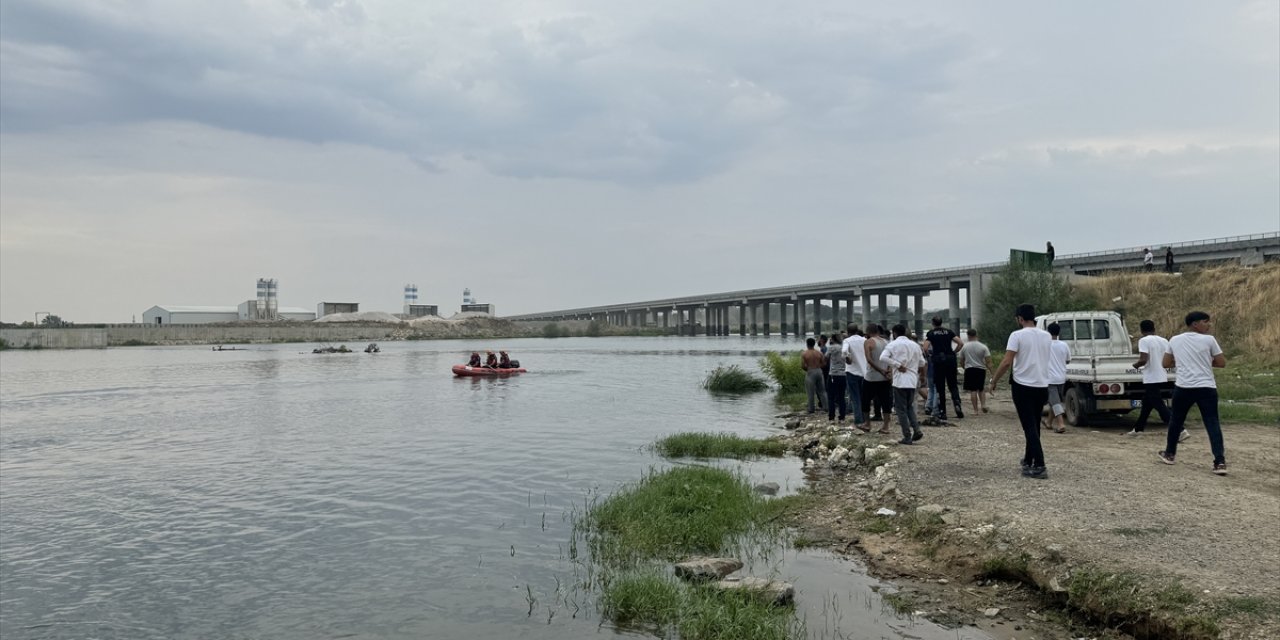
{"x":751,"y":310}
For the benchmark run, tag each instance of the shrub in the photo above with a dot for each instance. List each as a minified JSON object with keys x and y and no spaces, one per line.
{"x":732,"y":379}
{"x":717,"y":445}
{"x":785,"y":371}
{"x":551,"y":330}
{"x":1017,"y":284}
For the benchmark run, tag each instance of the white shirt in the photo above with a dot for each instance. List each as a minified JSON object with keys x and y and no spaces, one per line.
{"x":1155,"y":347}
{"x":1061,"y":355}
{"x":1193,"y":353}
{"x":852,"y":349}
{"x":902,"y":352}
{"x":1031,"y":364}
{"x":1148,"y":258}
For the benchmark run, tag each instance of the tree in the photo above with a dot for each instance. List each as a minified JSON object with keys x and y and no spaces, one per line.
{"x":593,"y":330}
{"x":1017,"y":284}
{"x":54,"y":321}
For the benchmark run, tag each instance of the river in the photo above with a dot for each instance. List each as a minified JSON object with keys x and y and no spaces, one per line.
{"x":180,"y":492}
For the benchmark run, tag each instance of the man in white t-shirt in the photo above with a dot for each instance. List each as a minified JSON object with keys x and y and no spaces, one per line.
{"x":1196,"y":354}
{"x":905,"y":362}
{"x":855,"y":371}
{"x":1058,"y":377}
{"x":1028,"y":353}
{"x":1148,"y":259}
{"x":1155,"y":379}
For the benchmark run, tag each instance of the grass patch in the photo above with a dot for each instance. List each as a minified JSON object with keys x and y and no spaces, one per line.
{"x":782,"y":509}
{"x":785,"y":371}
{"x":1251,"y":606}
{"x":733,"y":379}
{"x":872,"y":523}
{"x":673,"y":513}
{"x":1007,"y":567}
{"x":1264,"y":411}
{"x":902,"y":604}
{"x":717,"y":445}
{"x":923,"y":526}
{"x":646,"y":599}
{"x":1124,"y":598}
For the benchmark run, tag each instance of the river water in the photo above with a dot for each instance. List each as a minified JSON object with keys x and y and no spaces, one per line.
{"x":180,"y":492}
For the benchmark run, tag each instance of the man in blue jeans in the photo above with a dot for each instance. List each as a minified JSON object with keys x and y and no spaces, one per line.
{"x":855,"y":371}
{"x":1196,"y":354}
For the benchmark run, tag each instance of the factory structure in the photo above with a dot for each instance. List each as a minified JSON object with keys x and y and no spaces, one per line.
{"x":265,"y":307}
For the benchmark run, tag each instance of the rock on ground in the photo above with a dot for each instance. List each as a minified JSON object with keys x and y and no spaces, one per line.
{"x":707,"y":568}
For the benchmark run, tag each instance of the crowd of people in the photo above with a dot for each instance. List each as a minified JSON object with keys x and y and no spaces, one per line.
{"x":871,"y":378}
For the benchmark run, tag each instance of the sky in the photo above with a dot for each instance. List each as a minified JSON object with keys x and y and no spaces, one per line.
{"x":552,"y":155}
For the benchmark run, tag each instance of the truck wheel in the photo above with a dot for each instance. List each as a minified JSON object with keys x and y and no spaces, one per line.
{"x":1074,"y":408}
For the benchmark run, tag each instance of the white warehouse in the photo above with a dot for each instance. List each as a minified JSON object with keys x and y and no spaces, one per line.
{"x":184,"y":314}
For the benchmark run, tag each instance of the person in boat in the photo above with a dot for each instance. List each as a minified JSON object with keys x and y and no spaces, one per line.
{"x":504,"y":361}
{"x":491,"y":361}
{"x":475,"y":359}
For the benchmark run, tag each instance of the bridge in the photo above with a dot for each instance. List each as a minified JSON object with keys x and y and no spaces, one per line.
{"x":753,"y":309}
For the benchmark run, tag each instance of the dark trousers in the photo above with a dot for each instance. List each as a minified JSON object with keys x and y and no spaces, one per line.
{"x":1151,"y":399}
{"x":944,"y":377}
{"x":877,"y":394}
{"x":1206,"y":399}
{"x":904,"y":402}
{"x":835,"y":395}
{"x":1030,"y":401}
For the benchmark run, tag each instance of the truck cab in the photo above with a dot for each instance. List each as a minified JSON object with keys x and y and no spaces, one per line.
{"x":1101,"y":378}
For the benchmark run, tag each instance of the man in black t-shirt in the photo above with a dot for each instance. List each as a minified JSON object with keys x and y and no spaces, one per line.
{"x":943,"y":344}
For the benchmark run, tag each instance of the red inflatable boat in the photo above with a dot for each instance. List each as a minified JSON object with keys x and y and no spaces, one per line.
{"x":465,"y":371}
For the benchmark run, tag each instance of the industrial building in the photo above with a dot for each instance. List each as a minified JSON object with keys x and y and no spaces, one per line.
{"x":187,"y":314}
{"x":265,"y":307}
{"x":471,"y":305}
{"x":329,"y":308}
{"x":411,"y":307}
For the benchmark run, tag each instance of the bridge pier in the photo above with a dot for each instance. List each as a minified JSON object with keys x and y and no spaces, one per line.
{"x":919,"y":316}
{"x":767,"y":306}
{"x":953,"y":307}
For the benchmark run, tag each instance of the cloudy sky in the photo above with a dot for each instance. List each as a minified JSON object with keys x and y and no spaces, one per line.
{"x":571,"y":153}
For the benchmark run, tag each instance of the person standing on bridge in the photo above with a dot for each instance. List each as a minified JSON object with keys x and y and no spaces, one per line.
{"x":1168,"y":259}
{"x":1048,"y":252}
{"x":1148,"y":259}
{"x":815,"y":386}
{"x":1028,"y":353}
{"x":1196,"y":354}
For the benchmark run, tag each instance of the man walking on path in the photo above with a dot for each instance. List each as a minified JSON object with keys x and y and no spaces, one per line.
{"x":943,"y":344}
{"x":1058,"y":378}
{"x":1196,"y":354}
{"x":1028,"y":353}
{"x":975,"y":357}
{"x":814,"y":382}
{"x":906,"y":362}
{"x":855,"y":371}
{"x":835,"y":378}
{"x":1151,"y":350}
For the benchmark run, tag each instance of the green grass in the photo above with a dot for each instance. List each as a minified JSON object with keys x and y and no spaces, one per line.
{"x":1120,"y":597}
{"x":670,"y":515}
{"x":1252,"y":606}
{"x":674,"y":513}
{"x":923,"y":526}
{"x":1007,"y":567}
{"x":785,"y":371}
{"x":902,"y":604}
{"x":717,"y":445}
{"x":733,"y":379}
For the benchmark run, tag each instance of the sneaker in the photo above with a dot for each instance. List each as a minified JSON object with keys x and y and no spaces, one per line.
{"x":1184,"y":436}
{"x":984,"y":410}
{"x":1039,"y":473}
{"x":1025,"y":465}
{"x":918,"y":435}
{"x":1164,"y":457}
{"x":1133,"y":432}
{"x":905,"y":441}
{"x":1220,"y":468}
{"x":959,"y":414}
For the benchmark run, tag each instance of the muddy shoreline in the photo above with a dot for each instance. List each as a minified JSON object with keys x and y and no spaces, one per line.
{"x":972,"y":542}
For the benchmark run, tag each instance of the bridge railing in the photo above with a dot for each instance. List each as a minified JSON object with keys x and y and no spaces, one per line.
{"x":871,"y":280}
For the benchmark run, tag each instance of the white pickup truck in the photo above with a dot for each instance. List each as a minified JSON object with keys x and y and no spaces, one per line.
{"x":1101,"y":378}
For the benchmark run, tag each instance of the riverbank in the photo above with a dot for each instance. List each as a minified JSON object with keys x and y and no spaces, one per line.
{"x":1113,"y":536}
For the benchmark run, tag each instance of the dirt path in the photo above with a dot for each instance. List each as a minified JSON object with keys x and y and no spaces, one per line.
{"x":1109,"y":502}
